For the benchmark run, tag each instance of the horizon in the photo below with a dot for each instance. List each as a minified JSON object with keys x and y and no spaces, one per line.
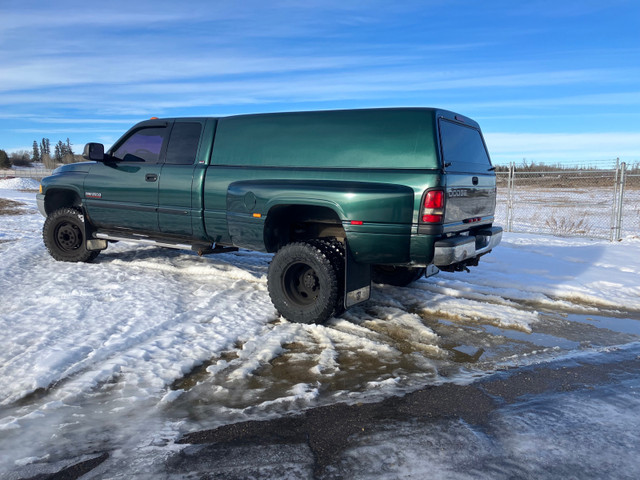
{"x":548,"y":82}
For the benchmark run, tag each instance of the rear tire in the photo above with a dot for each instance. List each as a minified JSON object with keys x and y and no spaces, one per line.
{"x":303,"y":283}
{"x":334,"y":250}
{"x":397,"y":276}
{"x":64,"y":236}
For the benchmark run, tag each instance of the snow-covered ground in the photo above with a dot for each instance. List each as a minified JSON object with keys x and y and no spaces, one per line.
{"x":127,"y":353}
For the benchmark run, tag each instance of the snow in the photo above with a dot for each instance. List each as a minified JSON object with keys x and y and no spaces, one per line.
{"x":146,"y":343}
{"x":19,"y":184}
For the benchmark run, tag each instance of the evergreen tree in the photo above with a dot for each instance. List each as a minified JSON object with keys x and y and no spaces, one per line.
{"x":69,"y":150}
{"x":44,"y":147}
{"x":4,"y":160}
{"x":36,"y":152}
{"x":58,"y":151}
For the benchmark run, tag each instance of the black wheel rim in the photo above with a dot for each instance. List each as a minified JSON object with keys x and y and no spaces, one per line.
{"x":301,"y":284}
{"x":68,"y":237}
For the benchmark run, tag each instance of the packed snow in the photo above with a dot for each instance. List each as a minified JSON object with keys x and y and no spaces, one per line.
{"x":126,"y":353}
{"x":19,"y":184}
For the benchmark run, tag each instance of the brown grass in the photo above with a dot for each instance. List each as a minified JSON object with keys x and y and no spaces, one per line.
{"x":11,"y":207}
{"x":564,"y":227}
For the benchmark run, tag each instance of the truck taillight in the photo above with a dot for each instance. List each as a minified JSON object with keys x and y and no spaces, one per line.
{"x":433,"y":207}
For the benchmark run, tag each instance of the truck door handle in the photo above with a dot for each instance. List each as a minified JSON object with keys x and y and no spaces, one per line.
{"x":151,"y":177}
{"x":474,"y":180}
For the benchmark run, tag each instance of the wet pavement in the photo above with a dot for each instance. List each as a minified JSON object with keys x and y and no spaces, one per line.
{"x":319,"y":437}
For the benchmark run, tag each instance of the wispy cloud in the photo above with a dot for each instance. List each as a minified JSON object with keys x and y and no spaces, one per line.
{"x":558,"y":147}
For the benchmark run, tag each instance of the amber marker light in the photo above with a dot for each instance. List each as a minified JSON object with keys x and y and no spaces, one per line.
{"x":40,"y":188}
{"x":257,"y":215}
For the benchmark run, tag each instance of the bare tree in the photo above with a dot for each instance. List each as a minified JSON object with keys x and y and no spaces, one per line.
{"x":49,"y":162}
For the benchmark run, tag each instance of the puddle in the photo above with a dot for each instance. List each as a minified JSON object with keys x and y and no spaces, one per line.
{"x":618,"y":325}
{"x":381,"y":348}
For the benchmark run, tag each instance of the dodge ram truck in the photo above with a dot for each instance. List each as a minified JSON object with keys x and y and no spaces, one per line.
{"x":341,"y":198}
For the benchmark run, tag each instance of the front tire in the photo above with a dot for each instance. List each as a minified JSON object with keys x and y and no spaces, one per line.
{"x":303,"y":283}
{"x":64,"y":236}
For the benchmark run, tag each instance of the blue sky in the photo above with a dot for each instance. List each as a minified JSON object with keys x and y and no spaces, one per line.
{"x":549,"y":81}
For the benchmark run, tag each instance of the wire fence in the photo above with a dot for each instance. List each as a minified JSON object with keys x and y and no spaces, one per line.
{"x":37,"y":173}
{"x":602,"y":203}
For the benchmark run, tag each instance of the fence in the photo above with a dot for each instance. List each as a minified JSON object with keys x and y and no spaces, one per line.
{"x":36,"y":173}
{"x":592,"y":203}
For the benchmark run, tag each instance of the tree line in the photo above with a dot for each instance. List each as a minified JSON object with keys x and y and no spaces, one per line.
{"x":533,"y":167}
{"x":40,"y":153}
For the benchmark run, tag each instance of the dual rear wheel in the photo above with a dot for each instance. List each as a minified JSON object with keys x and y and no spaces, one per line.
{"x":306,"y":281}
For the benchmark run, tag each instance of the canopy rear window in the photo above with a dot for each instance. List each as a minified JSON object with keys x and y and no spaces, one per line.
{"x":463,"y":148}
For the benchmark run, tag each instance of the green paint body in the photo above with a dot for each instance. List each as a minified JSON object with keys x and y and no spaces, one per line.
{"x":365,"y":170}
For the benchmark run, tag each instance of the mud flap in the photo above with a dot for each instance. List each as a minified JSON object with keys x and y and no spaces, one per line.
{"x":357,"y":280}
{"x":91,"y":243}
{"x":431,"y":270}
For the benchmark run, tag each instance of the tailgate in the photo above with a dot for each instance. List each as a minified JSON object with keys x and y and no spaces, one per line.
{"x":470,"y":192}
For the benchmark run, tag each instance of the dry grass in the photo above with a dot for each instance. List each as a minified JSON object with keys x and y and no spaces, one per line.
{"x":11,"y":207}
{"x":567,"y":227}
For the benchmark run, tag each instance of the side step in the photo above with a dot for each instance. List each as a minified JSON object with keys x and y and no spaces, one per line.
{"x":201,"y":248}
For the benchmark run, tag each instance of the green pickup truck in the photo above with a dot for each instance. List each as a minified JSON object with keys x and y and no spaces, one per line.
{"x":342,"y":198}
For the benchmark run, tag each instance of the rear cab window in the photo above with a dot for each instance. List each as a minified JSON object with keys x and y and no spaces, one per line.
{"x":183,"y":144}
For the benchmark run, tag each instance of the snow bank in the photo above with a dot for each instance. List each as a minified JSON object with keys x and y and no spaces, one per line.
{"x":19,"y":184}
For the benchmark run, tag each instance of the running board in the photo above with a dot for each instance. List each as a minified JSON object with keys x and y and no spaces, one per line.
{"x":201,"y":248}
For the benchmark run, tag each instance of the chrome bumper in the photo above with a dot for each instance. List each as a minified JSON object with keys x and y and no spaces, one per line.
{"x":40,"y":200}
{"x":458,"y":249}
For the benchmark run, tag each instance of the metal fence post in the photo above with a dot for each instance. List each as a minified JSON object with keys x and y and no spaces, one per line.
{"x":614,"y":204}
{"x":623,"y":168}
{"x":510,"y":197}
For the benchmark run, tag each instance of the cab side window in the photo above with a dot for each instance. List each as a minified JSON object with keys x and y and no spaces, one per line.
{"x":143,"y":145}
{"x":183,"y":144}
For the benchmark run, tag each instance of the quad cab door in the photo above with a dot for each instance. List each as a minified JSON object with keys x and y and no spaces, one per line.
{"x":179,"y":200}
{"x":122,"y":191}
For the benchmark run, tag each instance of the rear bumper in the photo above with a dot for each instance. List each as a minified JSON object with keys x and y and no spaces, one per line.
{"x":458,"y":249}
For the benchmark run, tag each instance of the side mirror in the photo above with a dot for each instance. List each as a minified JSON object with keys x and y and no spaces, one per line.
{"x":93,"y":151}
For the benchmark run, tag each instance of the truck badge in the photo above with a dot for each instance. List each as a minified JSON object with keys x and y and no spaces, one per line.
{"x":458,"y":193}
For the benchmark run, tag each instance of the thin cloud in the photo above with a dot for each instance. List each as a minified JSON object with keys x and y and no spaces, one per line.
{"x":562,"y":146}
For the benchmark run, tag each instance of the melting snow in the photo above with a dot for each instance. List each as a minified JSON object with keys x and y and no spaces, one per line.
{"x":146,"y":340}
